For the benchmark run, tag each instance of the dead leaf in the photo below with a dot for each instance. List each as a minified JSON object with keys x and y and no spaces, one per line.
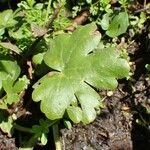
{"x":11,"y":47}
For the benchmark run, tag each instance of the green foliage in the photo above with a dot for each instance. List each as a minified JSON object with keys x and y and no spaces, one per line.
{"x":148,"y":67}
{"x":6,"y":71}
{"x":137,"y":22}
{"x":7,"y":20}
{"x":9,"y":82}
{"x":105,"y":22}
{"x":113,"y":22}
{"x":67,"y":124}
{"x":118,"y":25}
{"x":6,"y":124}
{"x":115,"y":25}
{"x":77,"y":67}
{"x":33,"y":13}
{"x":40,"y":131}
{"x":14,"y":89}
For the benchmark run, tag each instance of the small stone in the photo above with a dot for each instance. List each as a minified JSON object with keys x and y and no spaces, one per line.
{"x":109,"y":93}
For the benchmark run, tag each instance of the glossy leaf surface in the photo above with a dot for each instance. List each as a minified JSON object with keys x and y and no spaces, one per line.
{"x":78,"y":69}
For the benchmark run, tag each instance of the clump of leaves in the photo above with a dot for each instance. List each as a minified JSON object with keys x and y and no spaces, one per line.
{"x":40,"y":131}
{"x":7,"y":21}
{"x":78,"y":68}
{"x":9,"y":81}
{"x":114,"y":22}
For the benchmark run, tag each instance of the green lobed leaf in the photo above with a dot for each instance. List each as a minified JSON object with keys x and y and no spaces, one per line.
{"x":78,"y":67}
{"x":118,"y":25}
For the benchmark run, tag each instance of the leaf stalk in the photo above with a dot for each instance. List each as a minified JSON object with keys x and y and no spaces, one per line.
{"x":56,"y":136}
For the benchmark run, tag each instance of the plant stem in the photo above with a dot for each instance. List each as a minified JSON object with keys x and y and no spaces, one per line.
{"x":48,"y":8}
{"x":53,"y":17}
{"x":32,"y":141}
{"x":56,"y":137}
{"x":37,"y":40}
{"x":23,"y":129}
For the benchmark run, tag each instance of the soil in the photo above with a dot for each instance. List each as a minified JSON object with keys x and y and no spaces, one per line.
{"x":7,"y":143}
{"x":111,"y":130}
